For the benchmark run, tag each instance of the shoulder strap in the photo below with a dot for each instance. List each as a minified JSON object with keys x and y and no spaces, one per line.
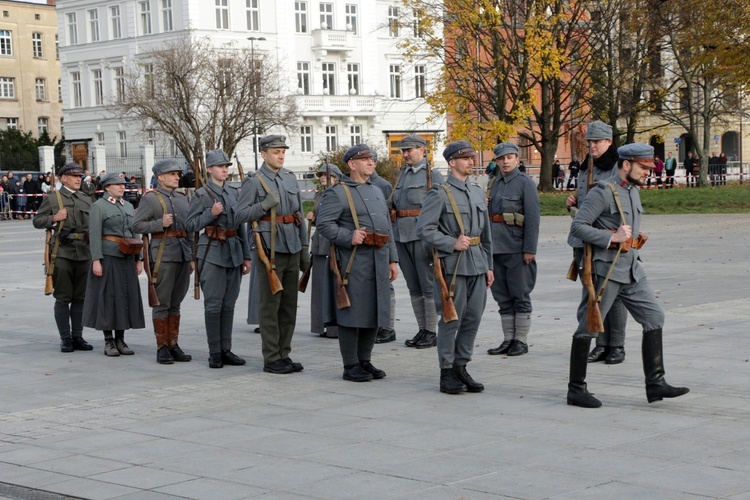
{"x":617,"y":202}
{"x":273,"y":221}
{"x":356,"y":226}
{"x":56,"y":246}
{"x":460,"y":222}
{"x":162,"y":243}
{"x":398,"y":179}
{"x":490,"y":184}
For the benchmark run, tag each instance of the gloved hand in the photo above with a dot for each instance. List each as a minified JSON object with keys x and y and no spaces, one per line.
{"x":304,"y":259}
{"x":272,"y":199}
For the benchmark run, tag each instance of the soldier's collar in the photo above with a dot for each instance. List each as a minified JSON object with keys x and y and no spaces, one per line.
{"x":268,"y":171}
{"x":456,"y":182}
{"x":114,"y":200}
{"x":510,"y":175}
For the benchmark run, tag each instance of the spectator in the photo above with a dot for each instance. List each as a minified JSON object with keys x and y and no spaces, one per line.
{"x":555,"y":172}
{"x":688,"y":163}
{"x":696,"y":170}
{"x":574,"y":167}
{"x":187,"y":182}
{"x":658,"y":171}
{"x":521,"y":167}
{"x":560,"y":181}
{"x":669,"y":167}
{"x":723,"y":168}
{"x":131,"y":190}
{"x":13,"y":186}
{"x":491,"y":169}
{"x":713,"y":169}
{"x":21,"y":202}
{"x":31,"y":188}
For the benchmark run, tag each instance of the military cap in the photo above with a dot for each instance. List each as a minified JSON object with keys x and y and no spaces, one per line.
{"x":335,"y":171}
{"x":458,"y":149}
{"x":412,"y":141}
{"x":357,"y":152}
{"x":217,"y":157}
{"x":113,"y":178}
{"x":272,"y":141}
{"x":71,"y":169}
{"x":598,"y":130}
{"x":166,"y":165}
{"x":638,"y":152}
{"x":505,"y":148}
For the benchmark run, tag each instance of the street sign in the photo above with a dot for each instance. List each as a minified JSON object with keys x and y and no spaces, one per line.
{"x":677,"y":140}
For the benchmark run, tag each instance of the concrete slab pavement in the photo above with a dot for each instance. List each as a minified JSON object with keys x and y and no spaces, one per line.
{"x":84,"y":425}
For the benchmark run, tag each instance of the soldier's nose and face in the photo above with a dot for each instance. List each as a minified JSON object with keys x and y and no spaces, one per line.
{"x":219,"y":172}
{"x":72,"y":181}
{"x":599,"y":147}
{"x":507,"y":162}
{"x":413,"y":156}
{"x":116,"y":190}
{"x":638,"y":173}
{"x":170,"y":180}
{"x":274,"y":157}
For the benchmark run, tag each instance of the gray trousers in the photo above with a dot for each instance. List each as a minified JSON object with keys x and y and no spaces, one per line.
{"x":172,"y":284}
{"x":455,"y":340}
{"x":278,"y":313}
{"x":414,"y":261}
{"x":514,"y":282}
{"x":221,"y":287}
{"x":637,"y":297}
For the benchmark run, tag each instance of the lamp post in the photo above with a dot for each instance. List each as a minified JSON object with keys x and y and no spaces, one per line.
{"x":255,"y":90}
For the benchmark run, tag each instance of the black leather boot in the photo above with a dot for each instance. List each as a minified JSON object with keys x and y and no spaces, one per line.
{"x":429,"y":339}
{"x":616,"y":356}
{"x":449,"y":383}
{"x":355,"y":373}
{"x":653,"y":367}
{"x":376,"y":373}
{"x":598,"y":353}
{"x":385,"y":335}
{"x":62,"y":319}
{"x":503,"y":348}
{"x":463,"y":376}
{"x":413,"y":341}
{"x":578,"y":394}
{"x":173,"y":330}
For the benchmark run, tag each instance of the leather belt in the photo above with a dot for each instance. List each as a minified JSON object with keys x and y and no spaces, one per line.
{"x":220,"y":233}
{"x":78,"y":236}
{"x":408,"y":213}
{"x":281,"y":219}
{"x":375,"y":239}
{"x":497,"y":218}
{"x":109,"y":237}
{"x":170,"y":234}
{"x":474,"y":241}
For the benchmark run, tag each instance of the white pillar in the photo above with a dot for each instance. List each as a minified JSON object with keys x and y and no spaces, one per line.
{"x":46,"y":159}
{"x":99,"y":157}
{"x":148,"y":153}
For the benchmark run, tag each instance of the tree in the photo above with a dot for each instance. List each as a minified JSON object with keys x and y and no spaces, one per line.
{"x":19,"y":150}
{"x":708,"y":44}
{"x":206,"y":97}
{"x":509,"y":67}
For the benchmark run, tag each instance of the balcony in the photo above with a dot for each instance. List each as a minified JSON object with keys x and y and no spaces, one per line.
{"x":325,"y":41}
{"x":337,"y":105}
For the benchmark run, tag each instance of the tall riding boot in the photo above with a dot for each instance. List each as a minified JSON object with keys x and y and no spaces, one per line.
{"x":508,"y":322}
{"x":122,"y":347}
{"x":109,"y":344}
{"x":653,"y":367}
{"x":161,"y":331}
{"x":213,"y":335}
{"x":578,"y":394}
{"x":173,"y":328}
{"x":62,"y":319}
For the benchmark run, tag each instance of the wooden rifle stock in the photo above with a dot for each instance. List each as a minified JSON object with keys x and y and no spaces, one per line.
{"x":449,"y":309}
{"x":302,"y":285}
{"x":273,"y":279}
{"x":153,"y":299}
{"x":48,"y":267}
{"x":342,"y":297}
{"x":594,"y":315}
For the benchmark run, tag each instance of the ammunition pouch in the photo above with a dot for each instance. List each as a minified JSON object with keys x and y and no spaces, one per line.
{"x":295,"y":218}
{"x":636,"y":242}
{"x":510,"y":218}
{"x":375,"y":239}
{"x":128,"y":246}
{"x":220,"y":233}
{"x":392,"y":213}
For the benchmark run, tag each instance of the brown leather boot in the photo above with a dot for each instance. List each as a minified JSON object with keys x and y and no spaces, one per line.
{"x":174,"y":332}
{"x":161,"y":331}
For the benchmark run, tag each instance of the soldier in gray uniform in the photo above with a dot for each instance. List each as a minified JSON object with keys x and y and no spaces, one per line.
{"x":610,"y":220}
{"x":610,"y":344}
{"x":113,"y":293}
{"x":223,"y":256}
{"x":273,"y":195}
{"x":385,"y":333}
{"x":354,"y":216}
{"x":414,"y":258}
{"x":514,"y":216}
{"x":163,"y":213}
{"x":70,"y":219}
{"x":454,"y":222}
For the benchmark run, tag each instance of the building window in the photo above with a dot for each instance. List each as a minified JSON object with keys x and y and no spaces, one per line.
{"x":166,"y":15}
{"x":40,"y":85}
{"x":331,"y":141}
{"x":6,"y":43}
{"x":684,"y":100}
{"x":122,"y":144}
{"x":98,"y":88}
{"x":146,"y":18}
{"x":395,"y":73}
{"x":417,"y":25}
{"x":94,"y":24}
{"x":419,"y":81}
{"x":72,"y":29}
{"x":393,"y":27}
{"x":114,"y":14}
{"x":300,"y":16}
{"x":253,"y":15}
{"x":42,"y":125}
{"x":75,"y":78}
{"x":222,"y":14}
{"x":303,"y":78}
{"x":148,"y":79}
{"x":329,"y":78}
{"x":11,"y":123}
{"x":326,"y":16}
{"x":119,"y":84}
{"x":57,"y":46}
{"x":355,"y":131}
{"x":7,"y":87}
{"x":36,"y":45}
{"x":352,"y":77}
{"x":351,"y":18}
{"x":151,"y":137}
{"x":305,"y":133}
{"x":100,"y":138}
{"x":59,"y":89}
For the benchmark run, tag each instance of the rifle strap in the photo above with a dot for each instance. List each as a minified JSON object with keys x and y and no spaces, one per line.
{"x":56,"y":246}
{"x":619,"y":248}
{"x":460,"y":221}
{"x":210,"y":240}
{"x":272,"y":257}
{"x":160,"y":253}
{"x":398,"y":179}
{"x":353,"y":210}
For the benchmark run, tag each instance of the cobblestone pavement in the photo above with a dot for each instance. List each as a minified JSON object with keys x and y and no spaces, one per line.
{"x":84,"y":425}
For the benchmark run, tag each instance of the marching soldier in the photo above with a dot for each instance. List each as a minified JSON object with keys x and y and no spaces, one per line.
{"x":271,"y":202}
{"x":163,"y":213}
{"x":514,"y":216}
{"x":609,"y":220}
{"x":66,"y":210}
{"x":223,"y":256}
{"x":610,"y":344}
{"x":353,"y":215}
{"x":454,"y":222}
{"x":414,"y":258}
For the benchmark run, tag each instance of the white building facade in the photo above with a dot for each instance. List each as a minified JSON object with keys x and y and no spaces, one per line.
{"x":340,"y":57}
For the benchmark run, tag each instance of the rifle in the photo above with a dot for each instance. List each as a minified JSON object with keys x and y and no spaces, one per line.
{"x":196,"y":237}
{"x":48,"y":286}
{"x":153,"y":299}
{"x":50,"y":260}
{"x":594,"y":318}
{"x":273,"y":279}
{"x":302,"y":285}
{"x":449,"y":309}
{"x":342,"y":297}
